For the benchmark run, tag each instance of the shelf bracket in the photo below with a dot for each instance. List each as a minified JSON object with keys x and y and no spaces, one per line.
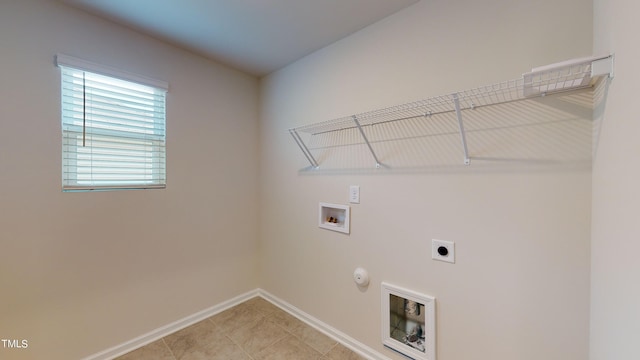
{"x":304,"y":148}
{"x":603,"y":66}
{"x":456,"y":103}
{"x":355,"y":120}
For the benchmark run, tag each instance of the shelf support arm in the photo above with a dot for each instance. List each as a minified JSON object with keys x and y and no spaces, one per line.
{"x":304,"y":148}
{"x":355,"y":120}
{"x":603,"y":66}
{"x":456,"y":102}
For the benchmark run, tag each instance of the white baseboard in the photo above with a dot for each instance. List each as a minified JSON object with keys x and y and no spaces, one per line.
{"x":349,"y":342}
{"x":346,"y":340}
{"x":163,"y":331}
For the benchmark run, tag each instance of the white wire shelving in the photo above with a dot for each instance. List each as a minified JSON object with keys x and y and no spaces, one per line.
{"x":567,"y":76}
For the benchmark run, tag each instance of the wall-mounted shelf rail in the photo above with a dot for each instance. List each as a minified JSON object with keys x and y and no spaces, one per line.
{"x":567,"y":76}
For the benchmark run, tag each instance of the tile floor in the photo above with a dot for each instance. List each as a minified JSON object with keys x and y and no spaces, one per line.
{"x":253,"y":330}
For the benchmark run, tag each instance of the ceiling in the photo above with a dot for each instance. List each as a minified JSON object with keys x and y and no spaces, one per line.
{"x":255,"y":36}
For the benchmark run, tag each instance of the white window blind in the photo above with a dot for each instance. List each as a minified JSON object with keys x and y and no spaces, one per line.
{"x":113,"y":131}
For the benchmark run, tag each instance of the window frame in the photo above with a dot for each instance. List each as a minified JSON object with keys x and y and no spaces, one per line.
{"x":153,"y":139}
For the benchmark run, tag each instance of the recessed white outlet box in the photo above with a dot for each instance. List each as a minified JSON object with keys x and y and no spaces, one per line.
{"x":443,"y":250}
{"x":334,"y":217}
{"x":354,"y":194}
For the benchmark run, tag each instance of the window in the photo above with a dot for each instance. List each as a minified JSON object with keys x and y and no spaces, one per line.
{"x":113,"y":129}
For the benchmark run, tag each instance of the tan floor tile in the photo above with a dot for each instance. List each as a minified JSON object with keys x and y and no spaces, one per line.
{"x":286,"y":321}
{"x":340,"y":352}
{"x":290,"y":348}
{"x":263,"y":306}
{"x":203,"y":341}
{"x":256,"y":337}
{"x":314,"y":338}
{"x":157,"y":350}
{"x":236,"y":317}
{"x":253,"y":330}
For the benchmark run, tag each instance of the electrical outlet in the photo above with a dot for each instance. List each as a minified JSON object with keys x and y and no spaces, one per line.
{"x":443,"y":250}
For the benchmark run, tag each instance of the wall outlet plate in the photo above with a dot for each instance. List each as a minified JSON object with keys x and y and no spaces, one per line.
{"x":443,"y":250}
{"x":354,"y":194}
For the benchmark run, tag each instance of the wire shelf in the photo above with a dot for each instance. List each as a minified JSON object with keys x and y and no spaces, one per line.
{"x":567,"y":76}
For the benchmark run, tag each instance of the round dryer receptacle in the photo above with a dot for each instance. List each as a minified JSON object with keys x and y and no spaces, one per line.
{"x":443,"y":251}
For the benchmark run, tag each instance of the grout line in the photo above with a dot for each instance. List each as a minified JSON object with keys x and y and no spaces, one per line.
{"x":168,"y":347}
{"x":239,"y":346}
{"x":328,"y":352}
{"x":296,"y":336}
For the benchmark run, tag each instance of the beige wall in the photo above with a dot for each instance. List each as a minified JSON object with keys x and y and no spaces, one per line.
{"x":520,"y":287}
{"x":81,"y":272}
{"x":615,"y":314}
